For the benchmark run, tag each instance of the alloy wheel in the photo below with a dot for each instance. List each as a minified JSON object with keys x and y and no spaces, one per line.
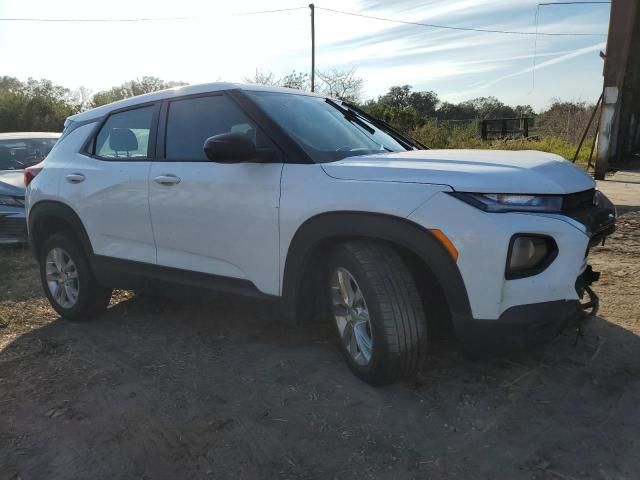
{"x":62,"y":277}
{"x":351,"y":315}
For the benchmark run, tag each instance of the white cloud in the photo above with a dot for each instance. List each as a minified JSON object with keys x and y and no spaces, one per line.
{"x":219,"y":45}
{"x":562,"y":58}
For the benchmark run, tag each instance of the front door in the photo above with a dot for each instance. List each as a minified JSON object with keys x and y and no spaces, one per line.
{"x":215,"y":218}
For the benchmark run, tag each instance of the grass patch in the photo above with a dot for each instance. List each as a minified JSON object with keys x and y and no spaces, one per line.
{"x":439,"y":135}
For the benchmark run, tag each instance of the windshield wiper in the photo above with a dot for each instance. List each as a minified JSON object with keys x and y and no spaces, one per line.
{"x":403,"y":139}
{"x":350,"y":115}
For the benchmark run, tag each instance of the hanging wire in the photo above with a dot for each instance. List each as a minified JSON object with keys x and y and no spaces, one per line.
{"x":139,"y":19}
{"x":536,"y":21}
{"x":466,"y":29}
{"x":341,"y":12}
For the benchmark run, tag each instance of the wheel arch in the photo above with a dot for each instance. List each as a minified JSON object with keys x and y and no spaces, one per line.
{"x":316,"y":235}
{"x":47,"y":217}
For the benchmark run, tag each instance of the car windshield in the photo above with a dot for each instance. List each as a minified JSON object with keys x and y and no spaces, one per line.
{"x":326,"y":130}
{"x":21,"y":153}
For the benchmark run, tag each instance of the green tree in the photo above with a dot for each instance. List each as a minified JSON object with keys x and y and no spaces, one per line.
{"x":132,"y":88}
{"x":396,"y":97}
{"x":456,"y":111}
{"x":37,"y":105}
{"x":404,"y":108}
{"x":425,"y":103}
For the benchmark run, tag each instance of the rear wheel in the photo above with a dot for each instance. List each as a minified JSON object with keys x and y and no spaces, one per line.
{"x":68,"y":281}
{"x":377,"y":311}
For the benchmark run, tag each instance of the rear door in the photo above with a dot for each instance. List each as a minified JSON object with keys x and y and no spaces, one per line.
{"x":106,"y":183}
{"x":215,"y":218}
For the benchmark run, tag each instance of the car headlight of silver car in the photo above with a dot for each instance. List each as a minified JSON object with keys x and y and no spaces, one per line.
{"x":10,"y":201}
{"x":512,"y":202}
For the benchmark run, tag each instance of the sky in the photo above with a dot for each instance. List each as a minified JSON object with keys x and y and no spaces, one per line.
{"x":216,"y":40}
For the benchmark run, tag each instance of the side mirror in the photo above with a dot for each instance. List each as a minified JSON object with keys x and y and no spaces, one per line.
{"x":233,"y":147}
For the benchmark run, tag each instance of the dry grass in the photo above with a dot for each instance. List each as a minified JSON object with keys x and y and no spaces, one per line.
{"x":215,"y":388}
{"x":466,"y":136}
{"x":23,"y":306}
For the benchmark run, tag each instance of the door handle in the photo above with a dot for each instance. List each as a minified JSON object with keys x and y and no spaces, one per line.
{"x":168,"y":179}
{"x":75,"y":178}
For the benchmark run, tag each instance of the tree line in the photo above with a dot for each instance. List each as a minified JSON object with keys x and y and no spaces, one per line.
{"x":41,"y":105}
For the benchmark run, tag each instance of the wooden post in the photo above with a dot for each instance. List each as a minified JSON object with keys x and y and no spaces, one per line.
{"x":586,"y":130}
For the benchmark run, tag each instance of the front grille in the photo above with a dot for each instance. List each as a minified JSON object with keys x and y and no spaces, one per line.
{"x":578,"y":201}
{"x":13,"y":227}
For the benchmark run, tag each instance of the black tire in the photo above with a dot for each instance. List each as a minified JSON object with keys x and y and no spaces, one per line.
{"x":92,"y":298}
{"x":397,"y":320}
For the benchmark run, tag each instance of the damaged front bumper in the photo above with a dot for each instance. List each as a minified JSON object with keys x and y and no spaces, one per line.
{"x":583,"y":287}
{"x":528,"y":326}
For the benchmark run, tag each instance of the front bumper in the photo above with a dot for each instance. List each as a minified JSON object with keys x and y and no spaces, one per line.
{"x":520,"y":327}
{"x":13,"y":225}
{"x":528,"y":326}
{"x":482,"y":240}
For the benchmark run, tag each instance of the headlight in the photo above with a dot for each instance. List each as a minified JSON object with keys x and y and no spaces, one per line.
{"x":11,"y":201}
{"x":508,"y":202}
{"x":529,"y":254}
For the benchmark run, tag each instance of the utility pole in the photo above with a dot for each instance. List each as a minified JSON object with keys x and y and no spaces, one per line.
{"x":313,"y":47}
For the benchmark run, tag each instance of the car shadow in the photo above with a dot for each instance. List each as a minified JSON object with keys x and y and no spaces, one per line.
{"x":622,"y":209}
{"x":215,"y":385}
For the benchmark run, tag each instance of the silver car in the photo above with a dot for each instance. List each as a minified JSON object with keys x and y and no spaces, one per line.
{"x":18,"y":151}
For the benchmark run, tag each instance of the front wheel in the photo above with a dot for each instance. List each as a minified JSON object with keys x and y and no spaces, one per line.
{"x":68,"y":281}
{"x":377,"y":311}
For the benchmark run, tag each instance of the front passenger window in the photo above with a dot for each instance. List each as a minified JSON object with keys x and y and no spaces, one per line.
{"x":125,"y":135}
{"x":192,"y":120}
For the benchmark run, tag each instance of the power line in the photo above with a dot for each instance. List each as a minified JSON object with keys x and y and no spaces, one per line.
{"x":572,"y":3}
{"x":140,"y":19}
{"x":535,"y":42}
{"x":466,"y":29}
{"x":341,"y":12}
{"x":97,"y":20}
{"x":270,"y":11}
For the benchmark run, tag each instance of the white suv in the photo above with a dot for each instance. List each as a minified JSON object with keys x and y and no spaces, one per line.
{"x":290,"y":195}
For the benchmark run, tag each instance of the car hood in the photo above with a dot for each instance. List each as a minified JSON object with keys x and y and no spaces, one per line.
{"x":481,"y":171}
{"x":11,"y":182}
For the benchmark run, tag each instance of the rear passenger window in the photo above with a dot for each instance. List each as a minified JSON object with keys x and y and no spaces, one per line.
{"x":191,"y":121}
{"x":125,"y":135}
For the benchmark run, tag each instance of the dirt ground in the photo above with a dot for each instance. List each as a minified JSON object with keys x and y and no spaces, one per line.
{"x":215,"y":387}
